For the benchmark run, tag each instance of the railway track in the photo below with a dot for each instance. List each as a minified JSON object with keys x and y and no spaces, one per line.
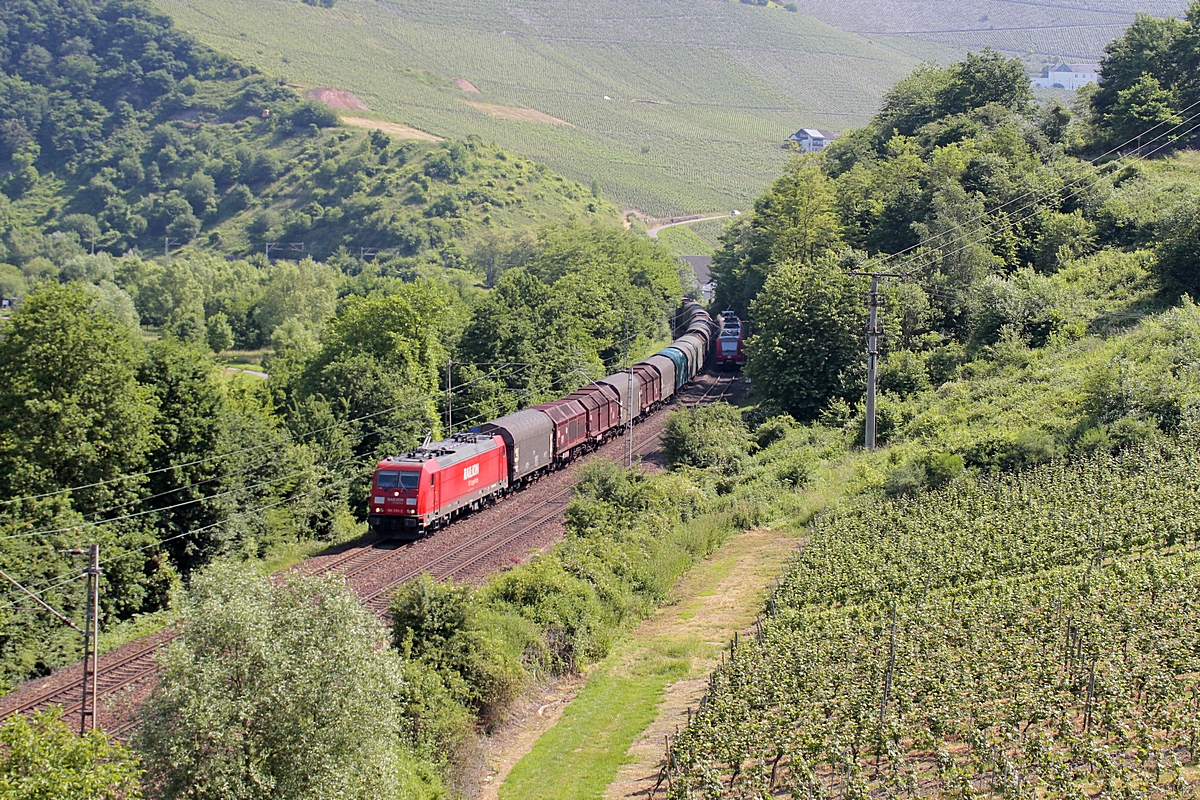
{"x":140,"y":665}
{"x":453,"y":562}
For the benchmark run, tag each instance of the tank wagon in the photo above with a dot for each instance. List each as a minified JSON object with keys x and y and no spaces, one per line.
{"x":425,"y":488}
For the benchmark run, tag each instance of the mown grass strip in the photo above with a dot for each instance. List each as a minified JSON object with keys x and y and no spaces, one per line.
{"x":615,"y":719}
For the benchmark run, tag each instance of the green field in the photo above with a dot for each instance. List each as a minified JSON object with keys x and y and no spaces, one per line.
{"x":702,"y":95}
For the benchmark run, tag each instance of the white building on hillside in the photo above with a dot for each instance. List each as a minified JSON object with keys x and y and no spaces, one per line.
{"x":811,"y":140}
{"x":1067,"y":76}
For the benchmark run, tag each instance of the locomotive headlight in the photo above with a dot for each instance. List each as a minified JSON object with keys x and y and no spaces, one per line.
{"x":378,"y":510}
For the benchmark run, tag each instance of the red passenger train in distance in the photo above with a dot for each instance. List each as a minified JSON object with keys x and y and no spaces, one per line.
{"x":428,"y":487}
{"x":729,"y":352}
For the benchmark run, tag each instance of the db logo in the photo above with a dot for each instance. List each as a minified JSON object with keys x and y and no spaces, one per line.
{"x":470,"y":472}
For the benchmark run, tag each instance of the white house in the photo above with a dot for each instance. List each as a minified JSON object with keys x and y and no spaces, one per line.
{"x":1067,"y":76}
{"x":811,"y":140}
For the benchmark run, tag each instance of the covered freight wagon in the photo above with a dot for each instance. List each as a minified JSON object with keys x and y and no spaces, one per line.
{"x":628,"y":387}
{"x":570,"y":426}
{"x":651,"y":385}
{"x":529,"y":437}
{"x":666,"y":374}
{"x":603,"y":407}
{"x":701,"y":346}
{"x":676,"y":357}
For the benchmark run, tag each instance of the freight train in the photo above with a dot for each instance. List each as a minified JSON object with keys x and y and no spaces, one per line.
{"x":425,"y":488}
{"x":729,"y":352}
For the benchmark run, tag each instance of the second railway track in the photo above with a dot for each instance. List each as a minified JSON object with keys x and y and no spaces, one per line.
{"x":136,"y":664}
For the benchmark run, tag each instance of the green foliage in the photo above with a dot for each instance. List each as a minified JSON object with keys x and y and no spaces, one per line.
{"x":437,"y":624}
{"x":710,"y":437}
{"x":926,"y":190}
{"x":41,"y":759}
{"x":203,"y":150}
{"x":630,"y":536}
{"x":73,"y":412}
{"x":1149,"y":78}
{"x":795,"y":221}
{"x":582,"y":301}
{"x":1178,"y":261}
{"x":283,"y":691}
{"x":805,"y":347}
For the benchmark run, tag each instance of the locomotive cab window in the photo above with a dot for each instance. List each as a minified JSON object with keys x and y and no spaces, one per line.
{"x":397,"y":479}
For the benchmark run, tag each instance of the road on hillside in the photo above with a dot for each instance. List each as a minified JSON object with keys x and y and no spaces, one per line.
{"x":654,"y":231}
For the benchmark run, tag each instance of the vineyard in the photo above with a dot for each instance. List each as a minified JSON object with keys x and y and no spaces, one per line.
{"x":676,"y":107}
{"x":1030,"y":636}
{"x":1037,"y":32}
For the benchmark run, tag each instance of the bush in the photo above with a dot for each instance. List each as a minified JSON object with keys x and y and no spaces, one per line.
{"x":434,"y":623}
{"x":710,"y":437}
{"x":943,"y":363}
{"x":927,"y":471}
{"x":906,"y":479}
{"x":565,"y":606}
{"x":774,"y":430}
{"x":312,"y":112}
{"x":254,"y":693}
{"x":40,"y":758}
{"x":903,"y":373}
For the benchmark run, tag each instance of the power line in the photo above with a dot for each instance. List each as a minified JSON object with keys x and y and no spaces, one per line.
{"x":136,"y":514}
{"x":1082,"y":167}
{"x":275,"y":443}
{"x":65,"y":578}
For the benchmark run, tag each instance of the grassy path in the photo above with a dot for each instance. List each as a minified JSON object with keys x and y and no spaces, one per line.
{"x":609,"y":738}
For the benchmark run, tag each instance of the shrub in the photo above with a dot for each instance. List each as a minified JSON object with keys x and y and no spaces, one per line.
{"x":565,"y":606}
{"x":903,"y":373}
{"x":312,"y":112}
{"x":41,"y":758}
{"x":774,"y":430}
{"x":709,"y":437}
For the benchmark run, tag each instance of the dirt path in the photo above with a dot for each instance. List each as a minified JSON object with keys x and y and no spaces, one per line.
{"x":517,"y":114}
{"x":336,"y":98}
{"x":719,"y":596}
{"x":726,"y":598}
{"x":394,"y":128}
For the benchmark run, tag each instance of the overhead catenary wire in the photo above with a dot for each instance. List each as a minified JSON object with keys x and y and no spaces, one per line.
{"x":158,"y":510}
{"x":1085,"y":167}
{"x":221,"y":456}
{"x":63,"y":578}
{"x":987,"y":231}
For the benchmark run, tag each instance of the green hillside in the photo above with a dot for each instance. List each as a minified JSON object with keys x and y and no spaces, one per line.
{"x":1035,"y":32}
{"x":206,"y":151}
{"x":702,"y":94}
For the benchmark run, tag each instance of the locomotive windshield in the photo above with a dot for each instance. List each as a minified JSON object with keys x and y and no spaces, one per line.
{"x":397,"y":479}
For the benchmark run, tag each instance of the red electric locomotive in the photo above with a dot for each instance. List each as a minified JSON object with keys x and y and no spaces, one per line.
{"x":728,"y":352}
{"x":425,"y":488}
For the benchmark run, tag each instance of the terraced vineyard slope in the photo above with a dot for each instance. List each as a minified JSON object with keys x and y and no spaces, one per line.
{"x":1036,"y":32}
{"x":670,"y":107}
{"x":1030,"y":636}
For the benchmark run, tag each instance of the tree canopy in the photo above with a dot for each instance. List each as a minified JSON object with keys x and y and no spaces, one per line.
{"x":41,"y":759}
{"x":282,"y":691}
